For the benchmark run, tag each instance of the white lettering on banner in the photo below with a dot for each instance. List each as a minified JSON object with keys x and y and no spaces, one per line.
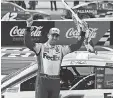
{"x":37,"y":31}
{"x":71,"y":33}
{"x":16,"y":31}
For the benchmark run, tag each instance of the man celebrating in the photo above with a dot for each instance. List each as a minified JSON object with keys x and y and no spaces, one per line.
{"x":49,"y":57}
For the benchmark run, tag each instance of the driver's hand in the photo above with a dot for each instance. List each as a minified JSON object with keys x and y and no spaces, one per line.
{"x":30,"y":21}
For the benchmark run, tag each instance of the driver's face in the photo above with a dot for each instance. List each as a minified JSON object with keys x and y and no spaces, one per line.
{"x":53,"y":38}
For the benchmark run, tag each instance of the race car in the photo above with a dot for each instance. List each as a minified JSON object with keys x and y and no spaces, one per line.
{"x":11,"y":11}
{"x":91,"y":10}
{"x":83,"y":75}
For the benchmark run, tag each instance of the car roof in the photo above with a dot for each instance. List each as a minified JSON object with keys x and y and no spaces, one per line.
{"x":84,"y":58}
{"x":35,"y":11}
{"x":87,"y":3}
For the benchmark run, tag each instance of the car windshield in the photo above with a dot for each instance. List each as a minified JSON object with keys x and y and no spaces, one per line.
{"x":100,"y":78}
{"x":18,"y":9}
{"x":71,"y":75}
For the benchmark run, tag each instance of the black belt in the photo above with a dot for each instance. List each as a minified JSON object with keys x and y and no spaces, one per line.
{"x":50,"y":76}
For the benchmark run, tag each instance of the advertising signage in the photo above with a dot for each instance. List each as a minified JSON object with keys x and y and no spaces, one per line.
{"x":12,"y":32}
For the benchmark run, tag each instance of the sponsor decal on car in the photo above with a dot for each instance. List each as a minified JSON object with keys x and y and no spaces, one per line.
{"x":9,"y":16}
{"x":100,"y":73}
{"x":78,"y":62}
{"x":13,"y":89}
{"x":87,"y":11}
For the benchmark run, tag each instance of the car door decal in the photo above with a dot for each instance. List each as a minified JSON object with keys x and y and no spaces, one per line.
{"x":9,"y":16}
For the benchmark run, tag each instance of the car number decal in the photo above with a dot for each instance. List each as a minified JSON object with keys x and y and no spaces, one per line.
{"x":9,"y":16}
{"x":108,"y":95}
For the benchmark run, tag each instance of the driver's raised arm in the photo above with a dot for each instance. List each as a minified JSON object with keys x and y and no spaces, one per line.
{"x":35,"y":47}
{"x":74,"y":47}
{"x":82,"y":30}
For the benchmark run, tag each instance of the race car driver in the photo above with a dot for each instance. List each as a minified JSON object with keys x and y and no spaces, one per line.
{"x":49,"y":58}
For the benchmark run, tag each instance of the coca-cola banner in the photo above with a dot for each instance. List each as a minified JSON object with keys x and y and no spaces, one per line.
{"x":69,"y":33}
{"x":12,"y":32}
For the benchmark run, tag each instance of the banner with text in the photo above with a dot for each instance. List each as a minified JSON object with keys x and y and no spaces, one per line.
{"x":12,"y":32}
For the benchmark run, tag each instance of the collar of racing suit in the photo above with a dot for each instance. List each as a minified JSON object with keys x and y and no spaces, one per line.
{"x":50,"y":46}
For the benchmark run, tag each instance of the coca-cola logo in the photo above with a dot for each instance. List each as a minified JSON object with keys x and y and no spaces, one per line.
{"x":16,"y":31}
{"x":71,"y":33}
{"x":93,"y":32}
